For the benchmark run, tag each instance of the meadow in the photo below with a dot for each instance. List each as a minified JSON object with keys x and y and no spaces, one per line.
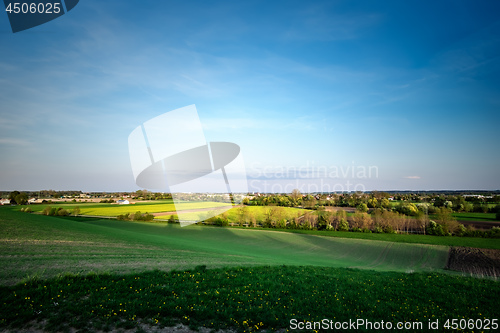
{"x":246,"y":299}
{"x":475,"y":217}
{"x":113,"y":210}
{"x":101,"y":274}
{"x":46,"y":246}
{"x":258,"y":212}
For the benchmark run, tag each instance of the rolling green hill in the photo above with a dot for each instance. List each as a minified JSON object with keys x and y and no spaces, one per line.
{"x":46,"y":246}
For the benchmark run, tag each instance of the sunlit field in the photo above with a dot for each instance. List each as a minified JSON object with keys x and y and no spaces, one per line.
{"x":106,"y":209}
{"x":104,"y":274}
{"x":82,"y":245}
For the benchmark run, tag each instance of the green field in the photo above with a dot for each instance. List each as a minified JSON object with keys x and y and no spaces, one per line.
{"x":35,"y":244}
{"x":259,"y":212}
{"x":475,"y":217}
{"x":106,"y":209}
{"x":247,"y":299}
{"x":238,"y":280}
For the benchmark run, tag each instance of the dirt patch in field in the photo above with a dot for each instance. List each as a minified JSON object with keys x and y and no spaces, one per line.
{"x":346,"y":209}
{"x":474,"y":260}
{"x":483,"y":225}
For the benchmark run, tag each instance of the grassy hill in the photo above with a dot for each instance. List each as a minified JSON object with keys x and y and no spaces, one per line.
{"x":158,"y":275}
{"x":46,"y":246}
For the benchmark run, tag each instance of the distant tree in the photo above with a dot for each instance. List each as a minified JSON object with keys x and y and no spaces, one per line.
{"x":62,"y":212}
{"x":343,"y":225}
{"x":12,"y":196}
{"x":407,"y":208}
{"x":361,"y":220}
{"x":498,"y":216}
{"x":242,"y":212}
{"x":22,"y":198}
{"x":385,"y":203}
{"x":309,"y":202}
{"x":468,"y":207}
{"x":19,"y":198}
{"x":422,"y":220}
{"x":372,"y":203}
{"x":323,"y":219}
{"x":435,"y":229}
{"x":296,"y":195}
{"x":362,"y":207}
{"x":250,"y":218}
{"x":446,"y":220}
{"x":76,"y":211}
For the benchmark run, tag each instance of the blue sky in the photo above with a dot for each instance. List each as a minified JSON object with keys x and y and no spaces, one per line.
{"x":408,"y":87}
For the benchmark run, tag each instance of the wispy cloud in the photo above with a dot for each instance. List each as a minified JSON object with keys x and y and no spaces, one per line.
{"x":412,"y":177}
{"x":219,"y":124}
{"x":14,"y":142}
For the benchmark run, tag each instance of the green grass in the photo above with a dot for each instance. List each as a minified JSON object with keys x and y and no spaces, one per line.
{"x":475,"y":217}
{"x":245,"y":299}
{"x":246,"y":287}
{"x":105,"y":209}
{"x":259,"y":212}
{"x":35,"y":244}
{"x":486,"y":243}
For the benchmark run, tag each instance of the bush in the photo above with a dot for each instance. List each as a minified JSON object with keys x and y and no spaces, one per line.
{"x":362,"y":207}
{"x":447,"y":222}
{"x":221,"y":222}
{"x":461,"y":230}
{"x":407,"y":208}
{"x":494,"y":232}
{"x":343,"y":225}
{"x":62,"y":212}
{"x":389,"y":229}
{"x":281,"y":224}
{"x":137,"y":216}
{"x":46,"y":210}
{"x":124,"y":217}
{"x":435,"y":229}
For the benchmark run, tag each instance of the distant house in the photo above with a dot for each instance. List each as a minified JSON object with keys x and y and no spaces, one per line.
{"x":123,"y":202}
{"x":5,"y":202}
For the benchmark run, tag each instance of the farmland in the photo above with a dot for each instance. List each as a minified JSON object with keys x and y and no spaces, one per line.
{"x":82,"y":245}
{"x":475,"y":217}
{"x":106,"y":209}
{"x":247,"y":279}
